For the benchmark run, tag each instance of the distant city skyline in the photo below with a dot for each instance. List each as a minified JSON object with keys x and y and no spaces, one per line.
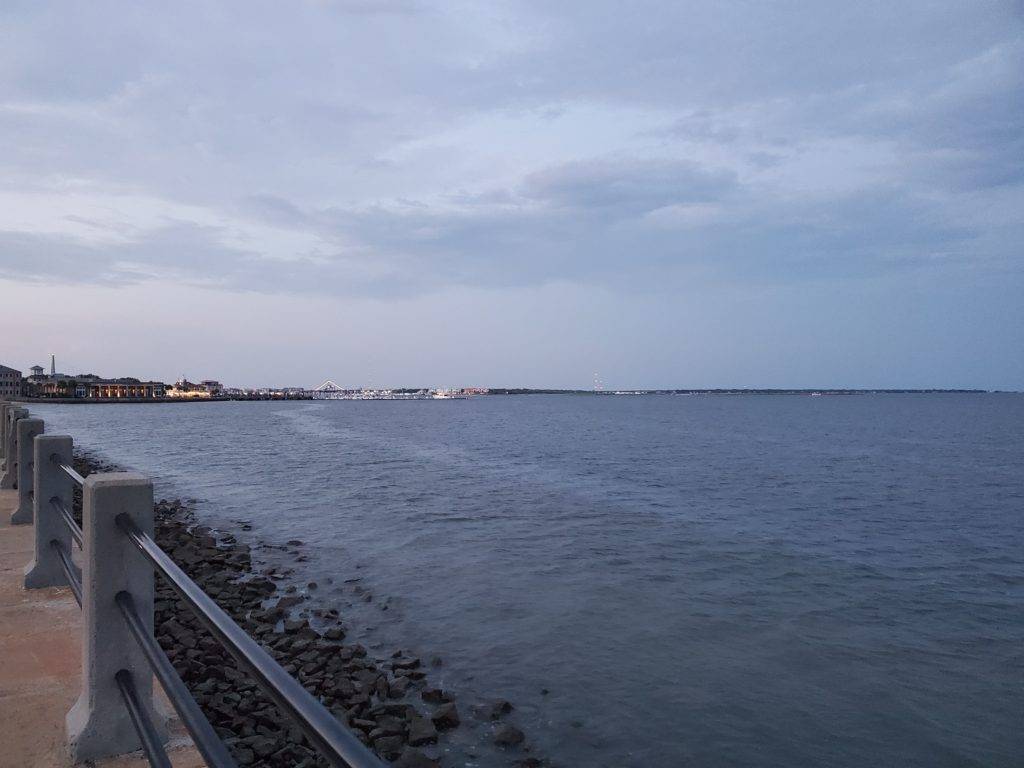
{"x":411,"y":193}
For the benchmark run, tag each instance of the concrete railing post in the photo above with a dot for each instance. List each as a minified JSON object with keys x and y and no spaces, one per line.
{"x":7,"y":410}
{"x":99,"y":725}
{"x":28,"y":429}
{"x":50,"y":483}
{"x":4,"y":405}
{"x":9,"y":477}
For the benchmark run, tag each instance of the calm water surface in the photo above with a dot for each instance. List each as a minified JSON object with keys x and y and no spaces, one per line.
{"x":707,"y":581}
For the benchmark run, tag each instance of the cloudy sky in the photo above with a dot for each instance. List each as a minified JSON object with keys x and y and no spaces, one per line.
{"x":406,"y":192}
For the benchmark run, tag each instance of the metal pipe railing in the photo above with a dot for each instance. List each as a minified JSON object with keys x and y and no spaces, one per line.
{"x":67,"y":564}
{"x":68,"y":469}
{"x":152,"y":744}
{"x":204,"y":737}
{"x":69,"y":520}
{"x":334,"y":741}
{"x":117,"y":580}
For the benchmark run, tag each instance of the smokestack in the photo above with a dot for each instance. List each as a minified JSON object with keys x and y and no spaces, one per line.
{"x":53,"y":365}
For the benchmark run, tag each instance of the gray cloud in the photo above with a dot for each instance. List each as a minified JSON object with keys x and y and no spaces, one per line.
{"x":623,"y":189}
{"x":186,"y":253}
{"x":398,"y":149}
{"x":596,"y":223}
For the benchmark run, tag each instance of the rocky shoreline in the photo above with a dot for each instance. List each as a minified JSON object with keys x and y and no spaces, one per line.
{"x":387,"y":702}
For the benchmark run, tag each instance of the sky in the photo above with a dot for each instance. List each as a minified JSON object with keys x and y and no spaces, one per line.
{"x":415,"y":193}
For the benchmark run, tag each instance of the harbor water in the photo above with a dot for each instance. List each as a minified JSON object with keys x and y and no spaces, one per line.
{"x":651,"y":581}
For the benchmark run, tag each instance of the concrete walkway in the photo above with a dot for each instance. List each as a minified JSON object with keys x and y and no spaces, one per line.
{"x":41,"y":663}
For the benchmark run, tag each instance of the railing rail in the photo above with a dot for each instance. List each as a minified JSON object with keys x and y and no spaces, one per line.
{"x":116,"y":505}
{"x":205,"y":738}
{"x":68,"y":470}
{"x":331,"y":738}
{"x":152,"y":742}
{"x":69,"y":520}
{"x":67,"y":564}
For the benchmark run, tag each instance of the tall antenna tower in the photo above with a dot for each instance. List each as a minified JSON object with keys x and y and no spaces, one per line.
{"x":598,"y":384}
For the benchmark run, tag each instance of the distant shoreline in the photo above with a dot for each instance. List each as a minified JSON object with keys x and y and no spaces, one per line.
{"x":141,"y":400}
{"x":521,"y":391}
{"x":626,"y":392}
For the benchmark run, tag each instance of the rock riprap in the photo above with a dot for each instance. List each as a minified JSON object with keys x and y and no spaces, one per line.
{"x":386,"y":702}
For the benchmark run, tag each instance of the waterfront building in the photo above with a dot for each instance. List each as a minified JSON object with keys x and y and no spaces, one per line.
{"x":51,"y":386}
{"x":92,"y":387}
{"x":87,"y":386}
{"x":38,"y":373}
{"x":127,"y":388}
{"x":10,"y":382}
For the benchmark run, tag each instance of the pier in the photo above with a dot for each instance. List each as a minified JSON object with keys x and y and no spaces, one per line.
{"x":82,"y":677}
